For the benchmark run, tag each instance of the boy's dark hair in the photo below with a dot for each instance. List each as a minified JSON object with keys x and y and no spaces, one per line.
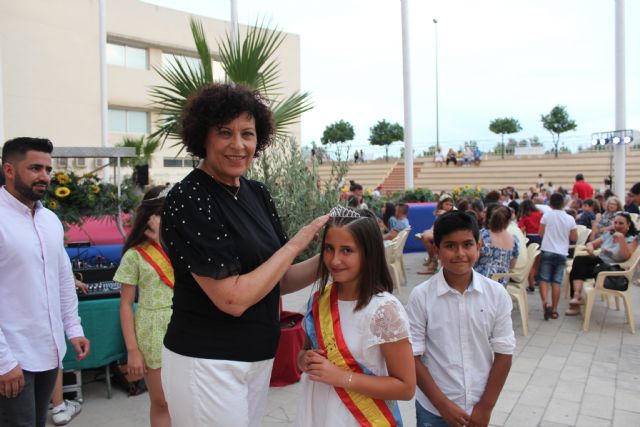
{"x":556,"y":201}
{"x":588,"y":202}
{"x":499,"y":219}
{"x":374,"y":273}
{"x":492,"y":197}
{"x":514,"y":206}
{"x":453,"y":221}
{"x":16,"y":149}
{"x":217,"y":104}
{"x":635,"y":188}
{"x":579,"y":177}
{"x":402,"y":207}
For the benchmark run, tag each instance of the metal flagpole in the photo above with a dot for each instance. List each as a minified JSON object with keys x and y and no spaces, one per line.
{"x":619,"y":150}
{"x":406,"y":83}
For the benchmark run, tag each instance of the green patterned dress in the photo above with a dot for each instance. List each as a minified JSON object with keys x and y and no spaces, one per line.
{"x":154,"y":305}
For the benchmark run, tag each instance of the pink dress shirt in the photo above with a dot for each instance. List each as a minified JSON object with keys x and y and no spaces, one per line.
{"x":38,"y":302}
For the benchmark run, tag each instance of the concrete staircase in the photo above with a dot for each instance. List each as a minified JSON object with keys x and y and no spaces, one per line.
{"x":493,"y":172}
{"x":522,"y":173}
{"x":369,"y":174}
{"x":395,"y":180}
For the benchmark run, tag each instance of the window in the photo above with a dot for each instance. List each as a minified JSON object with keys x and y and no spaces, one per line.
{"x":193,"y":62}
{"x":128,"y":121}
{"x":127,"y":56}
{"x":62,"y":162}
{"x":80,"y":162}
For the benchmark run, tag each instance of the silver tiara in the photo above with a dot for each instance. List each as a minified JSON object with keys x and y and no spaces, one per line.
{"x":342,"y":212}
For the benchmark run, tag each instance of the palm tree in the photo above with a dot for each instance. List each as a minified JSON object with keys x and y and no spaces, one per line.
{"x":249,"y":61}
{"x":145,"y":147}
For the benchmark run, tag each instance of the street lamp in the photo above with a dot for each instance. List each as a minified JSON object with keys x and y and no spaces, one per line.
{"x":435,"y":27}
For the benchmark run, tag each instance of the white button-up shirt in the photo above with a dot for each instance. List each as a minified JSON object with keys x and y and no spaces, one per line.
{"x":38,"y":302}
{"x":456,"y":335}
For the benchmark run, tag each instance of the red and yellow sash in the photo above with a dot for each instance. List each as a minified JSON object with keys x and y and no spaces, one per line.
{"x":326,"y":319}
{"x":155,"y":256}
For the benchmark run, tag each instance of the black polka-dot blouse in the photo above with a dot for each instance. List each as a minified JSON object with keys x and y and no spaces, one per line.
{"x":209,"y":232}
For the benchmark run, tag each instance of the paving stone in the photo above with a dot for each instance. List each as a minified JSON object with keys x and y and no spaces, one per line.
{"x":541,"y":340}
{"x":544,"y":378}
{"x":524,"y":365}
{"x":565,"y":338}
{"x":517,"y":381}
{"x":524,"y":416}
{"x":569,"y":390}
{"x":562,"y":411}
{"x":533,"y":352}
{"x":574,"y":373}
{"x":498,"y":418}
{"x":507,"y":400}
{"x":600,"y":386}
{"x":623,"y":418}
{"x":597,"y":405}
{"x":552,"y":363}
{"x":559,"y":349}
{"x":584,"y":348}
{"x":587,"y":421}
{"x":627,"y":401}
{"x":577,"y":358}
{"x":535,"y":395}
{"x":603,"y":369}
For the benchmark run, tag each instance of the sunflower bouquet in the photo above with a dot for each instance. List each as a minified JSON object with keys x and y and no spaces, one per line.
{"x":468,"y":192}
{"x":75,"y":197}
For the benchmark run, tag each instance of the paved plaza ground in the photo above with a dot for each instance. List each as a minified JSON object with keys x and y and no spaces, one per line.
{"x":561,"y":376}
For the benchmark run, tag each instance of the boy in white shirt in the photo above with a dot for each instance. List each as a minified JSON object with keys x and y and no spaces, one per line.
{"x":556,"y":229}
{"x":461,"y":331}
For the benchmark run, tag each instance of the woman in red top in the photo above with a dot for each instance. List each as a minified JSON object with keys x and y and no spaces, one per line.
{"x":529,"y":222}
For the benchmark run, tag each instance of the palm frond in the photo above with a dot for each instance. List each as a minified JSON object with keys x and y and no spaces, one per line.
{"x":288,"y":111}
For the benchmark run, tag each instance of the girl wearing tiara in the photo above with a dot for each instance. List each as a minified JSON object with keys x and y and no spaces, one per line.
{"x":357,"y":359}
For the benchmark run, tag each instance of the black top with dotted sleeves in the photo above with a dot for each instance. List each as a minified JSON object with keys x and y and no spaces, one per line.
{"x":208,"y":233}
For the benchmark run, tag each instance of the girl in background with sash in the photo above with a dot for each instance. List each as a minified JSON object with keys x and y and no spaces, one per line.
{"x":145,"y":267}
{"x":357,"y":359}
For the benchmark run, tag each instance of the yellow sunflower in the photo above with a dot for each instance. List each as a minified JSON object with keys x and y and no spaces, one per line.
{"x":466,"y":187}
{"x":478,"y":189}
{"x":62,"y":192}
{"x":53,"y":204}
{"x":456,"y":190}
{"x":95,"y":189}
{"x":62,"y":178}
{"x":345,"y":189}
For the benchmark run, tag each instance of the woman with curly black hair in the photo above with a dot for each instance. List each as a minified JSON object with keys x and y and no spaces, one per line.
{"x":232,"y":261}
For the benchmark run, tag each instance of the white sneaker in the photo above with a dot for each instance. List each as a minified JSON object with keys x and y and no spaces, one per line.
{"x":64,"y":416}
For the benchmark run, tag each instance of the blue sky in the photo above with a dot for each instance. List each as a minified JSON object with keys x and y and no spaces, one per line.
{"x":496,"y":58}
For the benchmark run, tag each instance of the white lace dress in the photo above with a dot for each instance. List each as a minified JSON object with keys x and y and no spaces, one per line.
{"x":383,"y":320}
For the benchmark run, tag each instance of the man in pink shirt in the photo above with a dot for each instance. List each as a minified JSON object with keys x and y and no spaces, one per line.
{"x":583,"y":190}
{"x":38,"y":303}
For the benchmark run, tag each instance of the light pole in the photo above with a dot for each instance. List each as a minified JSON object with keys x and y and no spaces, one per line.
{"x":435,"y":28}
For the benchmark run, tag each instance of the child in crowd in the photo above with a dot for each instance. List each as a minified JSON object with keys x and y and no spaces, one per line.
{"x":145,"y":267}
{"x":445,"y":204}
{"x":461,"y":332}
{"x":398,"y":222}
{"x":357,"y":357}
{"x":556,"y":229}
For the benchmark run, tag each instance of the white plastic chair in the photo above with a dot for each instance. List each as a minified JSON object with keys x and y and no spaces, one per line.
{"x":395,"y":260}
{"x":518,"y":290}
{"x":629,"y":267}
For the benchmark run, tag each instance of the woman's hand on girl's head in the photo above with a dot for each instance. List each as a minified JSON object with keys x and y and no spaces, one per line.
{"x":307,"y":233}
{"x":153,"y":229}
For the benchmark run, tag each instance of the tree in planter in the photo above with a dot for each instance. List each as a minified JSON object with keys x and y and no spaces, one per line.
{"x":296,"y":189}
{"x":557,"y":122}
{"x":385,"y":133}
{"x":145,"y":147}
{"x":505,"y":125}
{"x":338,"y":132}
